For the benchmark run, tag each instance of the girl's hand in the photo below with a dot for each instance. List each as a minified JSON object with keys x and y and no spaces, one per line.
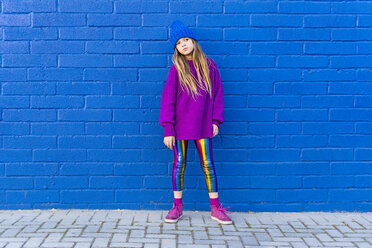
{"x":215,"y":130}
{"x":170,"y":141}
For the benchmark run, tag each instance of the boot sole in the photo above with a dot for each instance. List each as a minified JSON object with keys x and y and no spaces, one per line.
{"x":172,"y":221}
{"x":221,"y":221}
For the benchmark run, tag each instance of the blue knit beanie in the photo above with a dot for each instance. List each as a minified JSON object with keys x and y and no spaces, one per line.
{"x":178,"y":31}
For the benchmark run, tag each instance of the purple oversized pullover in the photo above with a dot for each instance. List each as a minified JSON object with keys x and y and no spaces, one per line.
{"x":189,"y":119}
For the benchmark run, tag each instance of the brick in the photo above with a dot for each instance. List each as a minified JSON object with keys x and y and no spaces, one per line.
{"x":10,"y":6}
{"x":91,"y":6}
{"x":80,"y":91}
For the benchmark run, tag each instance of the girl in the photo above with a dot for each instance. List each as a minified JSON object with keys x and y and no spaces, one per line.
{"x":192,"y":109}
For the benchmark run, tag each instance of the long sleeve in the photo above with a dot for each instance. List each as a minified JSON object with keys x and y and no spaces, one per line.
{"x":218,"y":99}
{"x":168,"y":103}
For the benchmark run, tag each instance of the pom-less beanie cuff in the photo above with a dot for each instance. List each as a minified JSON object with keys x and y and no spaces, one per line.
{"x":178,"y":31}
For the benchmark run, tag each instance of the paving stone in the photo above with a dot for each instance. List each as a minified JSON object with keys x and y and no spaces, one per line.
{"x":33,"y":242}
{"x":225,"y":237}
{"x":151,"y":246}
{"x":144,"y":240}
{"x":185,"y":239}
{"x":214,"y":231}
{"x":235,"y":244}
{"x":274,"y":232}
{"x":202,"y":234}
{"x":195,"y":246}
{"x":14,"y":245}
{"x":77,"y":239}
{"x":263,"y":237}
{"x":313,"y":242}
{"x":161,"y":236}
{"x":335,"y":233}
{"x":32,"y":235}
{"x":363,"y":245}
{"x":153,"y":229}
{"x":324,"y":237}
{"x":101,"y":242}
{"x":83,"y":245}
{"x":137,"y":233}
{"x":332,"y":244}
{"x":11,"y":239}
{"x":119,"y":237}
{"x":10,"y":232}
{"x":168,"y":243}
{"x":298,"y":245}
{"x":209,"y":241}
{"x":276,"y":243}
{"x":128,"y":228}
{"x":58,"y":244}
{"x":249,"y":240}
{"x":177,"y":232}
{"x":126,"y":245}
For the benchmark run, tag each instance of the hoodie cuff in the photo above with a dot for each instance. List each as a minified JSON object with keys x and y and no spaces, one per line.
{"x":217,"y":123}
{"x":169,"y":130}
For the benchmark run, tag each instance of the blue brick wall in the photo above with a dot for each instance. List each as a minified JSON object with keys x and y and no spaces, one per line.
{"x":80,"y":91}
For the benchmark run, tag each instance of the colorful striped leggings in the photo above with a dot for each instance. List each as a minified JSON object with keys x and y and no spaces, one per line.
{"x":204,"y":147}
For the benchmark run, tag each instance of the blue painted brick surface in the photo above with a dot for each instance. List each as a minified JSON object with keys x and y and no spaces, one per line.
{"x":80,"y":92}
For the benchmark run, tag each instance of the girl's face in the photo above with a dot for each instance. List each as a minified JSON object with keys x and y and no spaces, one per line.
{"x":185,"y":46}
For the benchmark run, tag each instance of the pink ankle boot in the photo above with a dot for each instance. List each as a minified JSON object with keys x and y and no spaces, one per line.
{"x":174,"y":214}
{"x":218,"y":214}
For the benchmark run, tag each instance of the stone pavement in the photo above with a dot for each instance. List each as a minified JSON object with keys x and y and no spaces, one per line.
{"x":129,"y":228}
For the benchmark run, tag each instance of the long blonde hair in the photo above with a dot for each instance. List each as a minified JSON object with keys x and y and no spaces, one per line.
{"x":187,"y":79}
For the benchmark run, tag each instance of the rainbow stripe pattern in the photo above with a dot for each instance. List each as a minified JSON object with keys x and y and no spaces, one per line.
{"x":204,"y":147}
